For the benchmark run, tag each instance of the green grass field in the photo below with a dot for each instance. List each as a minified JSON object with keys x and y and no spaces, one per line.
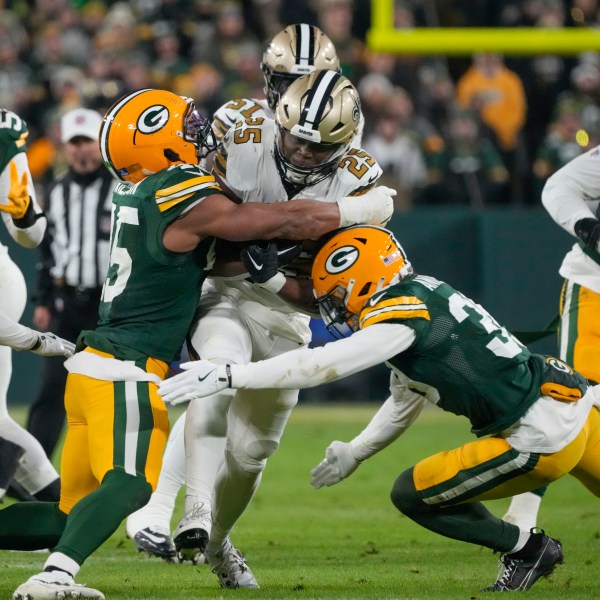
{"x":347,"y":541}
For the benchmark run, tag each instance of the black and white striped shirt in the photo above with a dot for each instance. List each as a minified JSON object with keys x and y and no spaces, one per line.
{"x":75,"y":250}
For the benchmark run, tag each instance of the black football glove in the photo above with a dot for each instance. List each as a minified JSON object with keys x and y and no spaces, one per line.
{"x":588,"y":231}
{"x":263,"y":259}
{"x":260,"y":260}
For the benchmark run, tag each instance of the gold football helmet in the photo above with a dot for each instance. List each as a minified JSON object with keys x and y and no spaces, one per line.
{"x":149,"y":130}
{"x":321,"y":111}
{"x":294,"y":51}
{"x":350,"y":267}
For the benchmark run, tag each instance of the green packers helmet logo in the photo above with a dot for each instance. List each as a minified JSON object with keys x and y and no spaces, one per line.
{"x":341,"y":259}
{"x":153,"y":119}
{"x":559,"y":365}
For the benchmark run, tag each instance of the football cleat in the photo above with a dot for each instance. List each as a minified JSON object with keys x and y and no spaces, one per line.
{"x":192,"y":533}
{"x":520,"y":570}
{"x":229,"y":565}
{"x":50,"y":585}
{"x":155,"y":542}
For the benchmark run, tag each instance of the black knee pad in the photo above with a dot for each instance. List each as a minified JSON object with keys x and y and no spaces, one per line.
{"x":405,"y":497}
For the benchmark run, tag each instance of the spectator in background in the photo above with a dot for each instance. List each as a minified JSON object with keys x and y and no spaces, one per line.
{"x":497,"y":95}
{"x":436,"y":95}
{"x":396,"y":147}
{"x":167,"y":62}
{"x":468,"y":169}
{"x":565,"y":139}
{"x":335,"y":18}
{"x":375,"y":90}
{"x":204,"y":84}
{"x":73,"y":261}
{"x":585,"y":92}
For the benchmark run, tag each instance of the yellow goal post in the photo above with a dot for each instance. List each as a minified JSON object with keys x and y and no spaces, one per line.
{"x":448,"y":41}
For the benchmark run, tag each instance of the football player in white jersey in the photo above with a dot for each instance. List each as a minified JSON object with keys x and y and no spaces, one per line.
{"x":306,"y":151}
{"x":571,"y":197}
{"x":21,"y":455}
{"x":295,"y":51}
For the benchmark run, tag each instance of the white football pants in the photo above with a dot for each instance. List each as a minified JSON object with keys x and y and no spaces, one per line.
{"x":228,"y":436}
{"x":35,"y":471}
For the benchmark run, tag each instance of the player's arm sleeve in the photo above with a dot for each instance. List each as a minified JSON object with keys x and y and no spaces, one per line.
{"x":571,"y":193}
{"x":15,"y":335}
{"x":29,"y":231}
{"x":309,"y":367}
{"x":395,"y":416}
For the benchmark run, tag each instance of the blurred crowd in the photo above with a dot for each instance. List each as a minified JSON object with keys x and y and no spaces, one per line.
{"x":478,"y":131}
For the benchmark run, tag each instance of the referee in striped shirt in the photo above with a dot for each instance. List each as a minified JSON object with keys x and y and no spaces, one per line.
{"x":73,"y":260}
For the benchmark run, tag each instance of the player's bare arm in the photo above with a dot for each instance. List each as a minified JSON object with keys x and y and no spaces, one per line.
{"x":218,"y":216}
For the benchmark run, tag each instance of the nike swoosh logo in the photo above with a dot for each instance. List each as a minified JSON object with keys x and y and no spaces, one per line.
{"x":375,"y":298}
{"x":154,"y":538}
{"x":257,"y":266}
{"x":203,"y":378}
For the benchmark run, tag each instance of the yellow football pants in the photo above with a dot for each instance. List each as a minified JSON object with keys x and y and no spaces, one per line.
{"x":111,"y":425}
{"x":490,"y":468}
{"x":579,"y":331}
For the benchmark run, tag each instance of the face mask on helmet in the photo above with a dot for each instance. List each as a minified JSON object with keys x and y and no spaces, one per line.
{"x":295,"y":51}
{"x":149,"y":130}
{"x":321,"y":161}
{"x":197,"y":130}
{"x":350,"y":267}
{"x":321,"y":112}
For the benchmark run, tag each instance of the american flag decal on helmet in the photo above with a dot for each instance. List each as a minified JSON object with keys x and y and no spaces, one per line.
{"x":392,"y":258}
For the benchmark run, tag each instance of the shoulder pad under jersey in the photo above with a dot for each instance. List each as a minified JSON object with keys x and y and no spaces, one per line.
{"x":358,"y":170}
{"x":227,"y":115}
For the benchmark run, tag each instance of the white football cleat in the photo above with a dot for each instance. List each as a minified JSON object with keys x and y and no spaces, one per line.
{"x":52,"y":585}
{"x":230,"y":567}
{"x":192,"y":533}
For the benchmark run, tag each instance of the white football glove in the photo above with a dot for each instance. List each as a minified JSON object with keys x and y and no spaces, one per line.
{"x":374,"y":207}
{"x":339,"y":463}
{"x":199,"y":378}
{"x":49,"y":344}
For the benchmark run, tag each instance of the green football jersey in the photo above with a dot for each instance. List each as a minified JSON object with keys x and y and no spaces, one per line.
{"x":151,"y":293}
{"x":13,"y":135}
{"x":480,"y":370}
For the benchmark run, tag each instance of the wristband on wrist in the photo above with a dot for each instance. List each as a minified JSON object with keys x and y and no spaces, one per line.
{"x":37,"y":344}
{"x":275,"y":283}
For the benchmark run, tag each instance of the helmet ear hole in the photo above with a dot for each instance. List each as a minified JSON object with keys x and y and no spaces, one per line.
{"x":365,"y":290}
{"x":171,"y":155}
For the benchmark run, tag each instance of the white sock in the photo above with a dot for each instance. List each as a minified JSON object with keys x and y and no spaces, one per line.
{"x":63,"y":562}
{"x":523,"y":510}
{"x":159,"y":510}
{"x":523,"y":539}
